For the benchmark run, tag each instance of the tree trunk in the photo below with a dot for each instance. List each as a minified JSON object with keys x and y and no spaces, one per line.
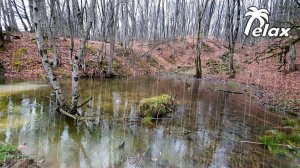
{"x":293,"y":58}
{"x":44,"y":56}
{"x":53,"y":32}
{"x":1,"y":34}
{"x":17,"y":11}
{"x":26,"y":15}
{"x":232,"y":33}
{"x":30,"y":2}
{"x":156,"y":22}
{"x":2,"y":71}
{"x":78,"y":58}
{"x":13,"y":25}
{"x":71,"y":47}
{"x":201,"y":12}
{"x":112,"y":31}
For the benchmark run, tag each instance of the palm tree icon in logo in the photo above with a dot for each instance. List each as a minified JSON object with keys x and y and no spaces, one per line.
{"x":262,"y":15}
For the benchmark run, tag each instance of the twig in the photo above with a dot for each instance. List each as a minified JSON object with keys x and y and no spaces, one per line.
{"x":85,"y":102}
{"x":253,"y":142}
{"x":46,"y":97}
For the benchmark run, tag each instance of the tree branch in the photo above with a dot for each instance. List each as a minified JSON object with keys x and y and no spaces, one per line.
{"x":85,"y":102}
{"x":298,"y":3}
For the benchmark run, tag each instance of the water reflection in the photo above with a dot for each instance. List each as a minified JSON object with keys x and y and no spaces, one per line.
{"x":204,"y":131}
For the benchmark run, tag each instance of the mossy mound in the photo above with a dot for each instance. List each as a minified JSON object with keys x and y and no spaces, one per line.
{"x":157,"y":106}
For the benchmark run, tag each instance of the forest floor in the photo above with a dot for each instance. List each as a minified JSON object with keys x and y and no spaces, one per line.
{"x":272,"y":87}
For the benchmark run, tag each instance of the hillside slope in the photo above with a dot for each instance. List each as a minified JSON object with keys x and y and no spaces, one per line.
{"x":21,"y":60}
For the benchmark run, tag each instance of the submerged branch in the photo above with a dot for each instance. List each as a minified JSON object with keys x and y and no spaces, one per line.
{"x":75,"y":117}
{"x":85,"y":102}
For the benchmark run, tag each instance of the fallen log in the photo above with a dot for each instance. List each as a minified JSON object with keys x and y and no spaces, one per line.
{"x":226,"y":91}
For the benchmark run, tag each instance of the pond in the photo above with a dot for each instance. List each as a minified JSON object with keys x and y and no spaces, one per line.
{"x":209,"y":128}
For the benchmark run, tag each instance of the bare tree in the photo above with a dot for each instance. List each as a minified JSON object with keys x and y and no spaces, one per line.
{"x":113,"y":17}
{"x":232,"y":30}
{"x":53,"y":30}
{"x":37,"y":13}
{"x":79,"y":55}
{"x":26,"y":15}
{"x":1,"y":33}
{"x":13,"y":22}
{"x":201,"y":12}
{"x":63,"y":107}
{"x":20,"y":17}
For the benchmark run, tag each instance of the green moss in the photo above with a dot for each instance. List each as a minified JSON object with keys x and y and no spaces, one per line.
{"x":147,"y":120}
{"x":120,"y":51}
{"x":17,"y":58}
{"x":281,"y":144}
{"x":216,"y":66}
{"x":8,"y":152}
{"x":234,"y":84}
{"x":156,"y":106}
{"x":116,"y":65}
{"x":90,"y":49}
{"x":19,"y":53}
{"x":17,"y":65}
{"x":49,"y":50}
{"x":294,"y":138}
{"x":272,"y":140}
{"x":206,"y":48}
{"x":289,"y":122}
{"x":272,"y":109}
{"x":219,"y":66}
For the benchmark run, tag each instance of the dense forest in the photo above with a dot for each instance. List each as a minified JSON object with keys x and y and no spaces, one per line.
{"x":231,"y":40}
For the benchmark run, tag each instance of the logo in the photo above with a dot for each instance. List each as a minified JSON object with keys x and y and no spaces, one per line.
{"x":262,"y":15}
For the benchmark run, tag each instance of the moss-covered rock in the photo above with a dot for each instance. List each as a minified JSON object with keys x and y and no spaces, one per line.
{"x":157,"y":106}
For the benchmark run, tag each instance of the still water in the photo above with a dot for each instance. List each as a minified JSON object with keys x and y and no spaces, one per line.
{"x":209,"y":128}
